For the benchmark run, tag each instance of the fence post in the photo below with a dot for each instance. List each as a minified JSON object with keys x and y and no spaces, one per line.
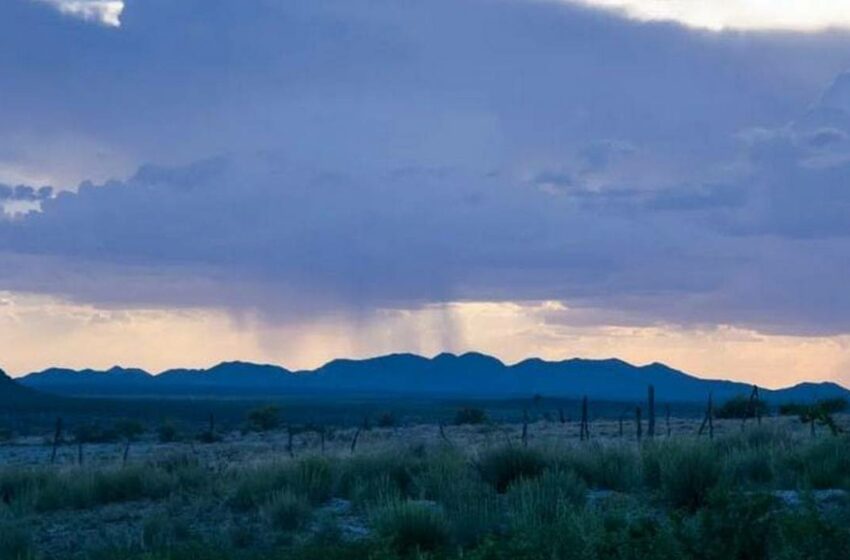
{"x":57,"y":437}
{"x":710,"y":416}
{"x":290,"y":433}
{"x":525,"y":428}
{"x":638,"y":423}
{"x":667,"y":413}
{"x":354,"y":441}
{"x":584,"y":429}
{"x":650,"y":428}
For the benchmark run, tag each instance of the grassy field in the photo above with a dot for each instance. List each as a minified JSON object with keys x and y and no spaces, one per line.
{"x":425,"y":491}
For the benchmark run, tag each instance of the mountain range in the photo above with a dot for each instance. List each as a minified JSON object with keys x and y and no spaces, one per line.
{"x":467,"y":375}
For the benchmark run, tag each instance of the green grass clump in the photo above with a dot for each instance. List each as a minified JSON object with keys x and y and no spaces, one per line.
{"x":254,"y":486}
{"x":503,"y":466}
{"x":288,"y":511}
{"x":314,"y":478}
{"x":546,"y":499}
{"x":822,"y":465}
{"x":689,"y":472}
{"x":369,"y":480}
{"x":604,"y":466}
{"x":413,"y":527}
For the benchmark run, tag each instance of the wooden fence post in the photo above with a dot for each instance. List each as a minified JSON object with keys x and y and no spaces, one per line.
{"x":638,"y":423}
{"x":667,"y":413}
{"x":584,"y":429}
{"x":710,"y":416}
{"x":650,"y":428}
{"x":525,"y":428}
{"x":354,"y":441}
{"x":57,"y":437}
{"x":290,"y":434}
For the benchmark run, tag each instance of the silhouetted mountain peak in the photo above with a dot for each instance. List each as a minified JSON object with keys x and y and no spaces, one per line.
{"x":468,"y":374}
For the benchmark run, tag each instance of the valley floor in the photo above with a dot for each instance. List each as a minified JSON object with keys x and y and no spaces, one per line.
{"x":480,"y":491}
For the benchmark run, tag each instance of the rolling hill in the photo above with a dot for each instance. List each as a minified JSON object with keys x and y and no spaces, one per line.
{"x":469,"y":375}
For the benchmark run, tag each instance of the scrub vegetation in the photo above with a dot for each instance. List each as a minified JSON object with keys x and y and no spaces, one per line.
{"x":751,"y":492}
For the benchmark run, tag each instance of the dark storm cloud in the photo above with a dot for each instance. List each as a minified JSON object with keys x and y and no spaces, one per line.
{"x":312,"y":155}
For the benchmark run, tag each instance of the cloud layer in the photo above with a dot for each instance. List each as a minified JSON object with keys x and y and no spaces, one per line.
{"x":303,"y":158}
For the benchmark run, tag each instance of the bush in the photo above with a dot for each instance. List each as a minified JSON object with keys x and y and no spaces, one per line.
{"x":288,"y":511}
{"x":546,"y":499}
{"x":822,"y":465}
{"x":829,"y":406}
{"x":314,"y":478}
{"x":370,"y":479}
{"x":386,"y":420}
{"x":688,"y":474}
{"x":470,"y":415}
{"x":129,"y":429}
{"x":95,"y":433}
{"x":607,"y":467}
{"x":264,"y":418}
{"x":741,"y":407}
{"x":734,"y":527}
{"x":501,"y":467}
{"x":413,"y":527}
{"x":167,"y":433}
{"x":254,"y":486}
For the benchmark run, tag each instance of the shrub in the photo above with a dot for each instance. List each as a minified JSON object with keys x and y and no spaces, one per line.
{"x":741,"y":407}
{"x":264,"y":418}
{"x":633,"y":533}
{"x":546,"y":499}
{"x":288,"y":511}
{"x":254,"y":486}
{"x":822,"y":465}
{"x":829,"y":406}
{"x":369,"y":479}
{"x":734,"y":527}
{"x":95,"y":433}
{"x":470,"y":415}
{"x":129,"y":429}
{"x":386,"y":420}
{"x":751,"y":467}
{"x":503,"y":466}
{"x":413,"y":527}
{"x":209,"y":436}
{"x":688,"y":474}
{"x":608,"y":467}
{"x":314,"y":478}
{"x":167,"y":433}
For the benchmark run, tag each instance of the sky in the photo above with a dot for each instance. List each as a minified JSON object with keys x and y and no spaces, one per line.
{"x":189,"y":182}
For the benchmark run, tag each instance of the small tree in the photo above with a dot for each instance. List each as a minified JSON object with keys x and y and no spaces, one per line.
{"x":818,"y":413}
{"x":264,"y":418}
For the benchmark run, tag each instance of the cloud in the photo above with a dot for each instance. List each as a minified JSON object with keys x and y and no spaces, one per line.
{"x":296,"y":159}
{"x":735,"y":14}
{"x":105,"y":12}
